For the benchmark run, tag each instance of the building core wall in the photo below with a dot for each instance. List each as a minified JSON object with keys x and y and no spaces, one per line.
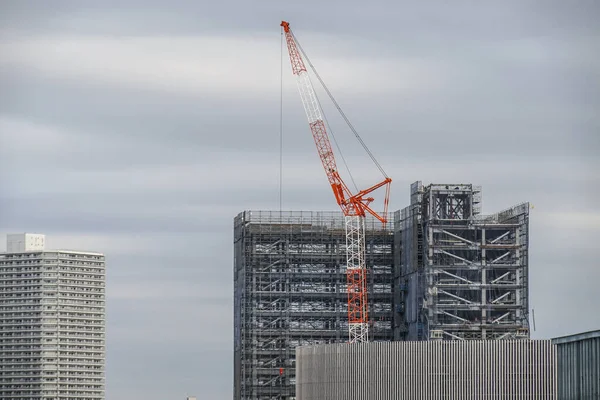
{"x":290,"y":290}
{"x":460,"y":275}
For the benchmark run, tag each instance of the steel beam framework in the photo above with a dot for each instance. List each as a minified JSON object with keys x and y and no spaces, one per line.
{"x":465,"y":275}
{"x":290,"y":289}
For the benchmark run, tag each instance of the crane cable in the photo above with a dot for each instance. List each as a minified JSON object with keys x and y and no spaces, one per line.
{"x":281,"y":130}
{"x":339,"y":108}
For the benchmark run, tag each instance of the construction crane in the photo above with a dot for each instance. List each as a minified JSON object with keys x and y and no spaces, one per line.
{"x":355,"y":207}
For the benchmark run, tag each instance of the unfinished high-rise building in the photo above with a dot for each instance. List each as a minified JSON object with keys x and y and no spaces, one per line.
{"x":459,"y":274}
{"x":290,"y":290}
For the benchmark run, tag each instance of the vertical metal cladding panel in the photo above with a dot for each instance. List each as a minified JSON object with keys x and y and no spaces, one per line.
{"x":578,"y":365}
{"x":441,"y":370}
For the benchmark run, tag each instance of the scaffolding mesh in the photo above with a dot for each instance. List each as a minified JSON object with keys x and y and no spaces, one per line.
{"x":290,"y":290}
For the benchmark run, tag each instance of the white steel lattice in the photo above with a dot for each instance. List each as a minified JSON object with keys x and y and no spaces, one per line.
{"x":309,"y":97}
{"x":356,"y":270}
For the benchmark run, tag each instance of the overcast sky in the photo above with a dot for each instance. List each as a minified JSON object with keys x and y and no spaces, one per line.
{"x":141,"y":128}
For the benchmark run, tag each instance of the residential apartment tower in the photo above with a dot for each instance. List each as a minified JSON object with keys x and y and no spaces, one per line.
{"x":52,"y":330}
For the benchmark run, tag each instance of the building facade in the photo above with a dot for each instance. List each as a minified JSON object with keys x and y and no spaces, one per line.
{"x":52,"y":330}
{"x":428,"y":370}
{"x":460,"y":275}
{"x":578,"y":360}
{"x":290,"y":290}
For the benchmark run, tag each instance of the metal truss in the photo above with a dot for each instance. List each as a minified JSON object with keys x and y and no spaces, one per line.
{"x":358,"y":314}
{"x":465,"y":274}
{"x":290,"y":289}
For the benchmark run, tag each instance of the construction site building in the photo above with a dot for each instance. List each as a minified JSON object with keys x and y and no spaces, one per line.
{"x":290,"y":291}
{"x":459,"y":274}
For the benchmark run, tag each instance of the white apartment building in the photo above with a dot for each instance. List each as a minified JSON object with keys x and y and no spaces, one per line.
{"x":52,"y":322}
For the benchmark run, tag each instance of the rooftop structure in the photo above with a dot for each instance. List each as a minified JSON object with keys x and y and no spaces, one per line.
{"x":22,"y":242}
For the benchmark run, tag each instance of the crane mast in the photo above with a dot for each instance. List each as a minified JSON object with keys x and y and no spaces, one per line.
{"x":353,"y":206}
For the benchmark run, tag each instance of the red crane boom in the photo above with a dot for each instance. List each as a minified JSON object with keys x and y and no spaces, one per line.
{"x":354,"y":206}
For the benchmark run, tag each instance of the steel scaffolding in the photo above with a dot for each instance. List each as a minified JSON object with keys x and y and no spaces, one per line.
{"x":290,"y":290}
{"x":460,"y":275}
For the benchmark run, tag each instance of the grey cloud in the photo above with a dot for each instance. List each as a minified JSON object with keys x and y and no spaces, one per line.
{"x":203,"y":373}
{"x":545,"y":300}
{"x":148,"y":213}
{"x":148,"y":269}
{"x":132,"y":321}
{"x":165,"y":126}
{"x":459,"y":19}
{"x":530,"y":101}
{"x":170,"y":327}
